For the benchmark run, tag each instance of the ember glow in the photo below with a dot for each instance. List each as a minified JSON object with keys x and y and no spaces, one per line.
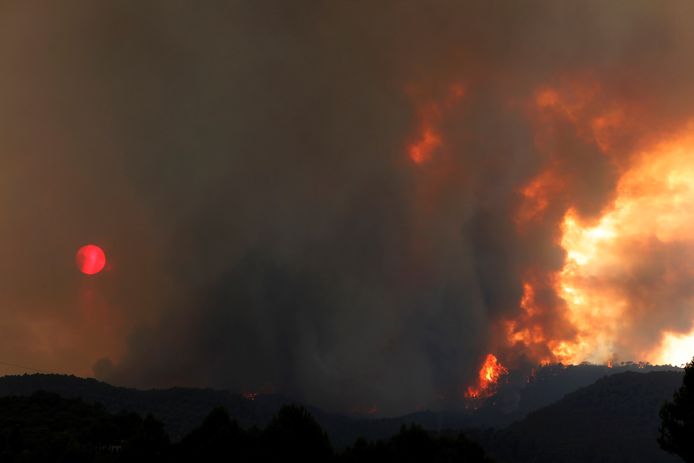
{"x":490,"y":373}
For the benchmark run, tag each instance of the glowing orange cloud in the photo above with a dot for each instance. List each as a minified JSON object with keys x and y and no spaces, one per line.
{"x":421,"y":151}
{"x":536,"y":197}
{"x":431,"y":113}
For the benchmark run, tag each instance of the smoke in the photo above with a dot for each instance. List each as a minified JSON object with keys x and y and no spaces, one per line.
{"x":245,"y":165}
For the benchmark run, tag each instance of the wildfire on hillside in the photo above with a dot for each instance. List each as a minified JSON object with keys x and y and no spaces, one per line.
{"x":590,"y":308}
{"x":490,"y":374}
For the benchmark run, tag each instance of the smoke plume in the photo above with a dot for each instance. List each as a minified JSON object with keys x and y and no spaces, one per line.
{"x":352,"y":203}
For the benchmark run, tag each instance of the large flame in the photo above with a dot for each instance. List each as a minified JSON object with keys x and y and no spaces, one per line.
{"x":622,"y":263}
{"x":612,"y":285}
{"x":654,"y":206}
{"x":490,"y":373}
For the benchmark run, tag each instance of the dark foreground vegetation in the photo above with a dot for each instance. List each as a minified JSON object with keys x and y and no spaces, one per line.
{"x":677,"y":419}
{"x":615,"y":419}
{"x":45,"y":427}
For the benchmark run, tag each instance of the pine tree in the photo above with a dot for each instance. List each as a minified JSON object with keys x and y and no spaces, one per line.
{"x":677,"y":419}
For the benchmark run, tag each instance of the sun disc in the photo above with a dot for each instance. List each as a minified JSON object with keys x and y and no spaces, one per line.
{"x":90,"y":259}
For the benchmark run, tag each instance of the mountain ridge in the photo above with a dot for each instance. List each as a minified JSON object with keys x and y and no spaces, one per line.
{"x":615,"y":419}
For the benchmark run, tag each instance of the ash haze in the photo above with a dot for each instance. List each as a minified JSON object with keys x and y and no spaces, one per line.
{"x":351,"y":203}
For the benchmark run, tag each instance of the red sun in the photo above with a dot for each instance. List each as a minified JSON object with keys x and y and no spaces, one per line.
{"x":90,"y":259}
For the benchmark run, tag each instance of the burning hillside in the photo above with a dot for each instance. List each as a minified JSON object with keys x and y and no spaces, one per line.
{"x":623,"y":289}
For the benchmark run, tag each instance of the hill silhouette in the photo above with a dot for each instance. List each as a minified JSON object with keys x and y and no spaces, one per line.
{"x":47,"y":427}
{"x":181,"y":409}
{"x":615,"y":419}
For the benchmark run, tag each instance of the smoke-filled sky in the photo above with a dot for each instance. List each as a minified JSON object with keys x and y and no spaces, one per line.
{"x":349,"y":202}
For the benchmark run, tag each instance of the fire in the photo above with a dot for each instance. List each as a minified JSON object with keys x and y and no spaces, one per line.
{"x":653,"y":209}
{"x":624,"y":289}
{"x":675,"y":349}
{"x":490,"y":373}
{"x":594,"y":310}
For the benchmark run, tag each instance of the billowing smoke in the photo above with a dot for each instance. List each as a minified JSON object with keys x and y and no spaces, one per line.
{"x":352,"y":203}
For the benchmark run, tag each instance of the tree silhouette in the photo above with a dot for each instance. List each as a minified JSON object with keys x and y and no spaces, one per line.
{"x":46,"y":427}
{"x":677,"y":419}
{"x":218,"y":439}
{"x":414,"y":444}
{"x":294,"y":435}
{"x":147,"y":441}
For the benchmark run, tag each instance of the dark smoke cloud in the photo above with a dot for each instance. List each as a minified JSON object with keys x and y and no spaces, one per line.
{"x":245,"y":166}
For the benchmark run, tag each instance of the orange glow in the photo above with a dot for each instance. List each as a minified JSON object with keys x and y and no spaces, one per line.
{"x":490,"y":373}
{"x":587,"y":304}
{"x":546,"y":98}
{"x":654,"y":205}
{"x":606,"y":127}
{"x":595,"y":119}
{"x":571,"y":100}
{"x":421,"y":151}
{"x":536,"y":197}
{"x":674,"y":349}
{"x":431,"y":114}
{"x":606,"y":311}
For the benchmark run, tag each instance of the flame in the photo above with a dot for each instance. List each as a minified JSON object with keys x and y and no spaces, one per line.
{"x":528,"y":329}
{"x":592,"y":309}
{"x":490,"y":373}
{"x":654,"y":207}
{"x":593,"y":306}
{"x":603,"y":305}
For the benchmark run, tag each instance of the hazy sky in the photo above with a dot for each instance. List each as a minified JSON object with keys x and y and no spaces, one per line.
{"x":245,"y":166}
